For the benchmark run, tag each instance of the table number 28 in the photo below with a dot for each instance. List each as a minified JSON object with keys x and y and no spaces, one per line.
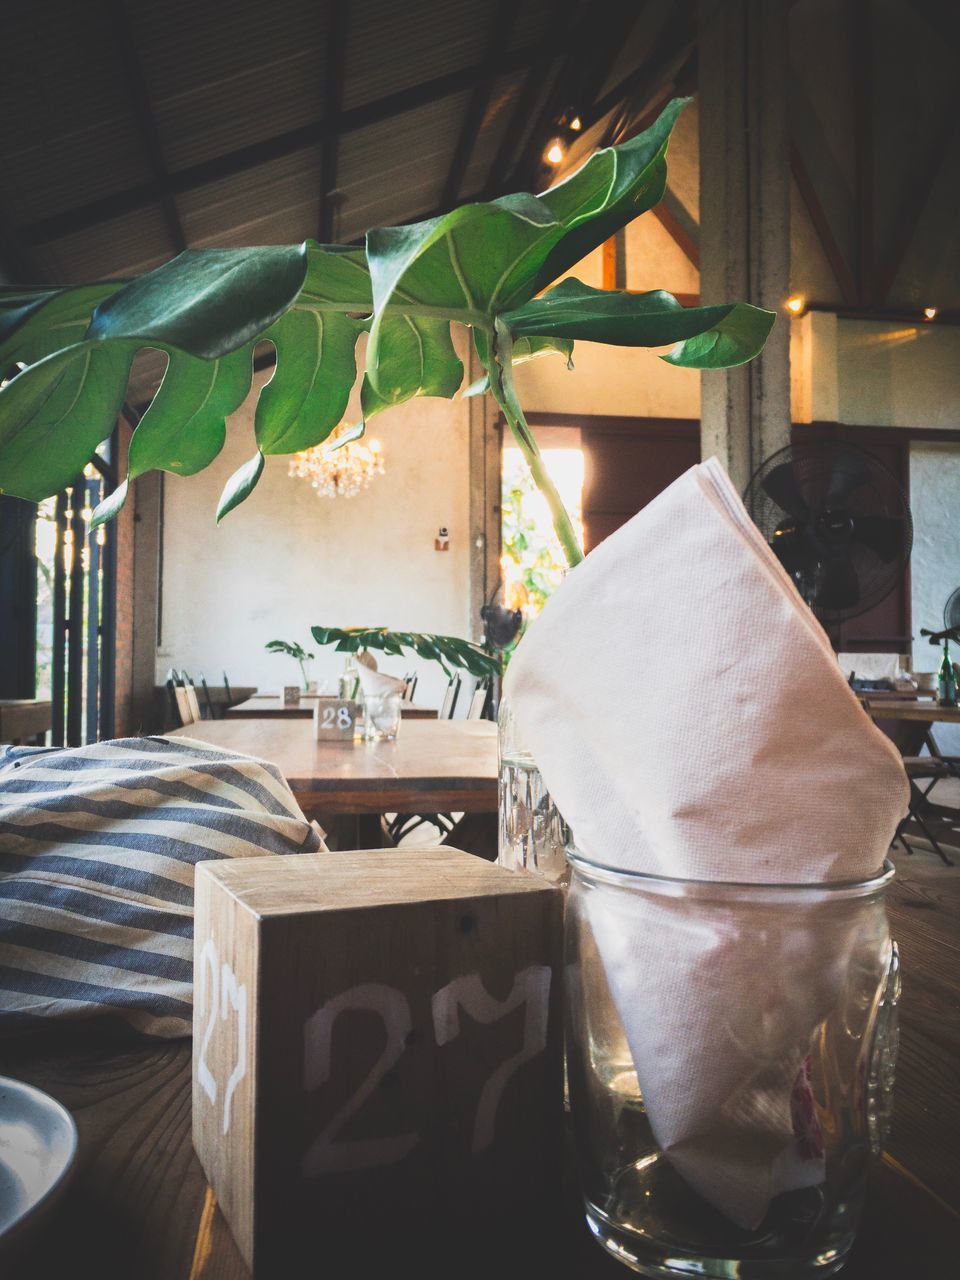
{"x":335,"y":719}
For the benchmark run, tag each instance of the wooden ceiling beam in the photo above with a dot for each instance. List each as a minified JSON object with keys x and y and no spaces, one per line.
{"x":142,"y":108}
{"x":551,"y":48}
{"x":504,"y":16}
{"x":244,"y":158}
{"x":861,"y":37}
{"x":917,"y":198}
{"x":337,"y":30}
{"x":821,"y":225}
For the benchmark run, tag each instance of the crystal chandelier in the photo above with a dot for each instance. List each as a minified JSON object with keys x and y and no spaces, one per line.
{"x":339,"y":472}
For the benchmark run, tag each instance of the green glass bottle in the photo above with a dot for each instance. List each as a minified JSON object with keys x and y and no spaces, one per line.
{"x":946,"y":679}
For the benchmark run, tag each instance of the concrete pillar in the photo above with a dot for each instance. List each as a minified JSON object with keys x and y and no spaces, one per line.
{"x":745,"y":220}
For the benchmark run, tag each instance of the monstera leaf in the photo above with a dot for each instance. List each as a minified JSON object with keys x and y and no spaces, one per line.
{"x":67,"y":353}
{"x":449,"y":651}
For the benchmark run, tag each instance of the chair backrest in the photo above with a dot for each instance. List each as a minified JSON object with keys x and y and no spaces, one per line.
{"x":449,"y":704}
{"x":187,"y":707}
{"x":410,"y":685}
{"x":226,"y":685}
{"x":478,"y":702}
{"x":208,"y":701}
{"x":193,"y":702}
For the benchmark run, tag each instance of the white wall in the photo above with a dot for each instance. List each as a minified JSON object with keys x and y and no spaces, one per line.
{"x":286,"y":559}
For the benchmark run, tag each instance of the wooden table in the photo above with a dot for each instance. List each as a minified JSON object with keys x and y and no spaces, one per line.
{"x":925,"y":712}
{"x":24,"y":719}
{"x":264,"y":706}
{"x":140,"y":1205}
{"x":432,"y":766}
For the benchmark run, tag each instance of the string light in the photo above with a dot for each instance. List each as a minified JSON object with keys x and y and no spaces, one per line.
{"x":576,"y":124}
{"x":795,"y":304}
{"x":930,"y":313}
{"x":555,"y":152}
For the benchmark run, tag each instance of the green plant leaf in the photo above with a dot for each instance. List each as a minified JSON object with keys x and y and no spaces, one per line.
{"x":35,"y":325}
{"x":524,"y":349}
{"x":205,"y":302}
{"x":315,"y":372}
{"x":482,"y":259}
{"x":184,"y":427}
{"x":709,"y":337}
{"x":443,"y":649}
{"x":54,"y":413}
{"x":240,"y":485}
{"x":417,"y":358}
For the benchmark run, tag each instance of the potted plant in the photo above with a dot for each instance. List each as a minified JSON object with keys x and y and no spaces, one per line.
{"x":488,"y":266}
{"x":296,"y":651}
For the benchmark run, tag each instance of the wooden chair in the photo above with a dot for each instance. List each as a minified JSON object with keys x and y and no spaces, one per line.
{"x":478,"y":703}
{"x":449,"y":704}
{"x":208,"y":701}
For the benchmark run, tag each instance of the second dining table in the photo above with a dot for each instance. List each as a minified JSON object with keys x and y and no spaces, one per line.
{"x":432,"y":766}
{"x":272,"y":706}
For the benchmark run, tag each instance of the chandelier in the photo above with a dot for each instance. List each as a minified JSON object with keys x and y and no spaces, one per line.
{"x":339,"y":472}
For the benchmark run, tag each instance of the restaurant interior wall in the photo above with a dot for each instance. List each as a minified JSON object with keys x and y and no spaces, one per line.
{"x":286,"y":559}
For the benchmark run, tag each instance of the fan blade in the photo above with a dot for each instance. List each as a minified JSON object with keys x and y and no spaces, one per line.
{"x":882,"y":534}
{"x":793,"y":549}
{"x":951,"y":611}
{"x":781,"y":486}
{"x":850,"y":472}
{"x":839,"y":586}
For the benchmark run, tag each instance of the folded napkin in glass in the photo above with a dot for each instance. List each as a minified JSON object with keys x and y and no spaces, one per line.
{"x":652,"y":693}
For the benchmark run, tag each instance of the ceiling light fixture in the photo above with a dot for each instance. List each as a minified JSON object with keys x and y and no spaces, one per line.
{"x":338,"y":472}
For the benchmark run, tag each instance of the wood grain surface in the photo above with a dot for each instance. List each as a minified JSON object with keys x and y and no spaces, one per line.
{"x":433,"y":766}
{"x":140,"y":1206}
{"x":273,"y":708}
{"x":916,"y":709}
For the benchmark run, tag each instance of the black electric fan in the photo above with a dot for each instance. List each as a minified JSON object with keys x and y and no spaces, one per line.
{"x":951,"y":622}
{"x":501,"y":625}
{"x":838,"y":522}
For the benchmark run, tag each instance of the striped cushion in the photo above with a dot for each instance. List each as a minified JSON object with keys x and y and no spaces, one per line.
{"x":97,"y":850}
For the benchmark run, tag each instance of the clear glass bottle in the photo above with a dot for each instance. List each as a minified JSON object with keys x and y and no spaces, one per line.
{"x":532,"y":833}
{"x":946,"y":679}
{"x":730,"y":1050}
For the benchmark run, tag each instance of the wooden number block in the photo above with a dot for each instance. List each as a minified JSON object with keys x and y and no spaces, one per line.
{"x":377,"y":1040}
{"x":291,"y":695}
{"x":335,"y":719}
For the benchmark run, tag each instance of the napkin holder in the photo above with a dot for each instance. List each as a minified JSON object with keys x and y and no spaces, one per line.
{"x":377,"y":1039}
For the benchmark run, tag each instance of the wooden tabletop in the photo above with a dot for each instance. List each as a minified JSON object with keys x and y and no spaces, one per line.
{"x":24,"y":718}
{"x":140,"y":1205}
{"x":912,"y":709}
{"x":433,"y":766}
{"x":262,"y":706}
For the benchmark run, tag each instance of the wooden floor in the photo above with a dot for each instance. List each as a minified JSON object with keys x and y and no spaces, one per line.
{"x":140,"y":1206}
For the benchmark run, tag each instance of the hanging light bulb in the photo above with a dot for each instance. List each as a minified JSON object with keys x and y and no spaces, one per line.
{"x":930,"y":313}
{"x":576,"y":124}
{"x":555,"y":152}
{"x":795,"y":304}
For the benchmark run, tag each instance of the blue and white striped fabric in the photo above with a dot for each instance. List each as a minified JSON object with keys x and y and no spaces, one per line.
{"x":97,"y":852}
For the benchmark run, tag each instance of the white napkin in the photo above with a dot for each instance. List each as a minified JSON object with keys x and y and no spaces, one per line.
{"x":375,"y":683}
{"x":690,"y":720}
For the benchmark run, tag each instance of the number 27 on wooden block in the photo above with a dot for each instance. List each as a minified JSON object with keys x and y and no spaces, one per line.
{"x":378,"y":1026}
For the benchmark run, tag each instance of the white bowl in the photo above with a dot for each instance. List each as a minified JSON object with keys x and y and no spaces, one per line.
{"x":38,"y":1148}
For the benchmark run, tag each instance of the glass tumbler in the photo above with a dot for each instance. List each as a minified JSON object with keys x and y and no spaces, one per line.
{"x":381,"y":715}
{"x":730,"y":1052}
{"x":532,"y":833}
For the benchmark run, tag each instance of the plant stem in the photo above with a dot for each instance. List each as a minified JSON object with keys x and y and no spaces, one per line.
{"x":303,"y":674}
{"x":498,"y":363}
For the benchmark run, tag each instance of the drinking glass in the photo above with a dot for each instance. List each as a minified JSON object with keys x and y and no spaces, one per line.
{"x":798,"y":985}
{"x":381,"y":715}
{"x":532,"y":833}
